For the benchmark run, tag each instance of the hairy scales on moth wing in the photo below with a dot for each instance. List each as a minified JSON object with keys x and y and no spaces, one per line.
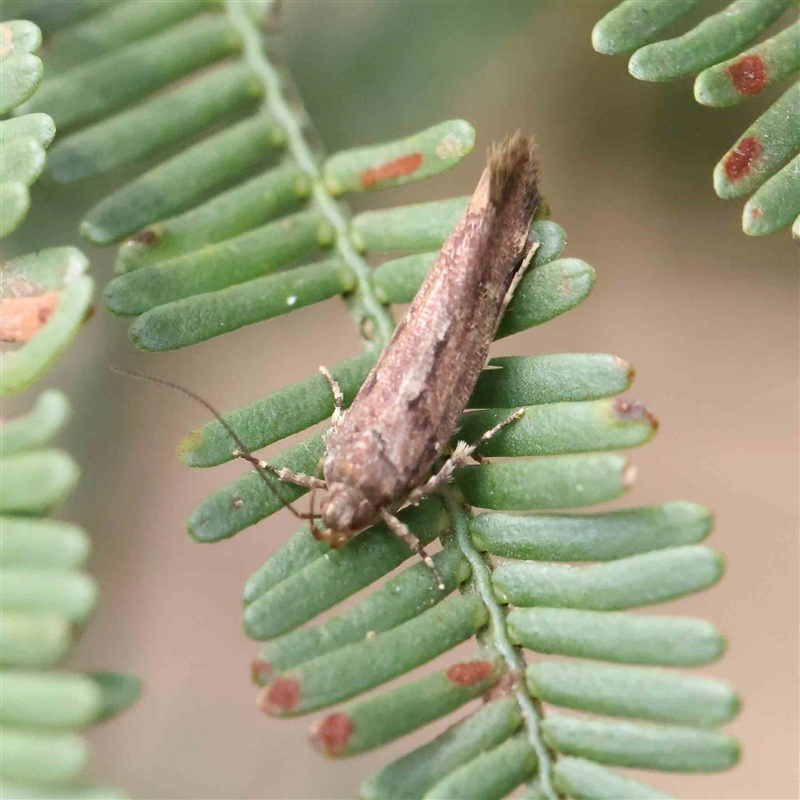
{"x":380,"y":452}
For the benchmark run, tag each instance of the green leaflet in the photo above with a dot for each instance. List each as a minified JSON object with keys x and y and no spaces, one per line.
{"x":33,"y":639}
{"x":763,"y":148}
{"x":41,"y":543}
{"x":634,"y":23}
{"x":53,"y":758}
{"x":648,"y":694}
{"x":609,"y":636}
{"x":38,"y":426}
{"x":748,"y":73}
{"x":53,"y":701}
{"x":591,"y":537}
{"x":492,"y":774}
{"x":626,"y":583}
{"x":415,"y":158}
{"x":580,"y":778}
{"x":627,"y":744}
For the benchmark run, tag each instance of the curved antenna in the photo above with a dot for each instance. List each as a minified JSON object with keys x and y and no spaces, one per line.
{"x":240,"y":446}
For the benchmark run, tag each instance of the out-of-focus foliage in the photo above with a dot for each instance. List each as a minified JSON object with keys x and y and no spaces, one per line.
{"x":729,"y":69}
{"x":45,"y":596}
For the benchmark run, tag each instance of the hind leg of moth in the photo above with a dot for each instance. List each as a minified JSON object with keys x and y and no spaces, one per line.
{"x":462,"y":453}
{"x":283,"y":473}
{"x":402,"y":530}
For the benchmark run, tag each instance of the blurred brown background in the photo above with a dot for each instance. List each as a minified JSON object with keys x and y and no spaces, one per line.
{"x":707,"y":315}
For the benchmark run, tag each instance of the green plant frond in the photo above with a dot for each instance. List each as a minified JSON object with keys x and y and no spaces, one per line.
{"x":45,"y":596}
{"x":45,"y":600}
{"x":249,"y":221}
{"x":718,"y":51}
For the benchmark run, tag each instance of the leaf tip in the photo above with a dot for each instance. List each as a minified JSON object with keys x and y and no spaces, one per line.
{"x":331,"y":735}
{"x":261,"y":672}
{"x":280,"y":697}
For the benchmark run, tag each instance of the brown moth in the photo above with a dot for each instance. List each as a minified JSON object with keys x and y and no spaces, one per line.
{"x":380,"y":452}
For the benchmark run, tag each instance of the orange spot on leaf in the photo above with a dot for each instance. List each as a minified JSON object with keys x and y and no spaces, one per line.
{"x":330,"y":737}
{"x":404,"y":165}
{"x":468,"y":672}
{"x":749,"y":75}
{"x":282,"y":695}
{"x":6,"y":40}
{"x":738,"y":163}
{"x":23,"y":317}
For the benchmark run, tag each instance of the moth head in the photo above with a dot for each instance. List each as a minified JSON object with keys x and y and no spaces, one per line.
{"x":344,"y":511}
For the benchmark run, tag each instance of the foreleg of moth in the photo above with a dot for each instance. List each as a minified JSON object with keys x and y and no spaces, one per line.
{"x":402,"y":530}
{"x":462,"y":453}
{"x":338,"y":398}
{"x":283,"y":473}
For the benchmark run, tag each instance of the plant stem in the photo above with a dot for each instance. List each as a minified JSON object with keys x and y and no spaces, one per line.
{"x":375,"y":322}
{"x":482,"y":581}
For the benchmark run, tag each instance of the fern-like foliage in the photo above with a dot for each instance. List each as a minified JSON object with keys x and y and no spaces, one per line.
{"x":766,"y":157}
{"x":45,"y":597}
{"x":220,"y":237}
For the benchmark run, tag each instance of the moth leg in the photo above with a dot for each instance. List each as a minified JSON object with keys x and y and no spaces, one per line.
{"x":338,"y":398}
{"x":283,"y":473}
{"x":402,"y":530}
{"x":462,"y":453}
{"x":518,"y":276}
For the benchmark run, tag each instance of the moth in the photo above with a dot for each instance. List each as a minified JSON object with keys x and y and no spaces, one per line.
{"x":380,"y":452}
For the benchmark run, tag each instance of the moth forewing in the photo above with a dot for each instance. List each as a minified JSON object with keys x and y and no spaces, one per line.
{"x":384,"y":447}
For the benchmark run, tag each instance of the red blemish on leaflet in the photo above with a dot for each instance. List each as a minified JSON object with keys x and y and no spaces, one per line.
{"x":404,"y":165}
{"x":6,"y":40}
{"x":632,"y":410}
{"x":23,"y":317}
{"x":330,"y":737}
{"x":749,"y":75}
{"x":260,"y":671}
{"x":146,"y":236}
{"x":469,"y":672}
{"x":282,"y":695}
{"x":738,"y":163}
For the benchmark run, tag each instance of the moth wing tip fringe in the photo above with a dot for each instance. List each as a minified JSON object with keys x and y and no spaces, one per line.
{"x":514,"y":165}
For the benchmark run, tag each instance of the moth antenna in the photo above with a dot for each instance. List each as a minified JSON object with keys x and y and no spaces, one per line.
{"x":225,"y":424}
{"x":513,"y":165}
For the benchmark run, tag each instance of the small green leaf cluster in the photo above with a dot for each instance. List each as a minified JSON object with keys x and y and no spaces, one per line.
{"x":247,"y":222}
{"x":45,"y":595}
{"x":23,"y":140}
{"x":766,"y":157}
